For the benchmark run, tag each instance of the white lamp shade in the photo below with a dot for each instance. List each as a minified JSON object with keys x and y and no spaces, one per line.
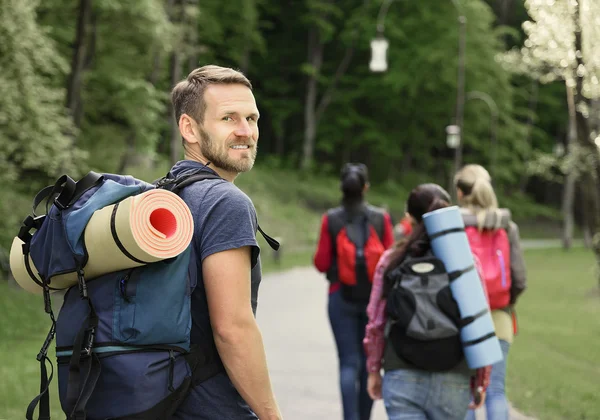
{"x":453,"y":136}
{"x":379,"y":47}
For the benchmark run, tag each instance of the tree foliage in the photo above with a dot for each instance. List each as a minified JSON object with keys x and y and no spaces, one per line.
{"x":308,"y":61}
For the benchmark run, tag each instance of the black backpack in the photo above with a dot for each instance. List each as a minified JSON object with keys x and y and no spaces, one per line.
{"x":423,"y":318}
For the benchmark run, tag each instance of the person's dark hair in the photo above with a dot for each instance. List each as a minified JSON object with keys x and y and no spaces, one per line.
{"x":354,"y":177}
{"x":423,"y":199}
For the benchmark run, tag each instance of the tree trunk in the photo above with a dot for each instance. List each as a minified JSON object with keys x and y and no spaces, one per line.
{"x":176,"y":146}
{"x":589,"y":149}
{"x":78,"y":61}
{"x":156,"y":67}
{"x":313,"y":115}
{"x":533,"y":98}
{"x":315,"y":59}
{"x":192,"y":31}
{"x":569,"y":187}
{"x":280,"y":140}
{"x":129,"y":152}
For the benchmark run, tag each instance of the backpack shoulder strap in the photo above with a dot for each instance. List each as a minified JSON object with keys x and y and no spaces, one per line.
{"x":336,"y":220}
{"x":376,"y":218}
{"x":176,"y":185}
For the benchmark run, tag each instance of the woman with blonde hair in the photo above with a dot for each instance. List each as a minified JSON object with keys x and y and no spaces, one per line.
{"x":495,"y":243}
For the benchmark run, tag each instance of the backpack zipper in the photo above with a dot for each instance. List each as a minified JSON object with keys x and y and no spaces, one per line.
{"x":171,"y":370}
{"x":502,"y":267}
{"x":123,"y":286}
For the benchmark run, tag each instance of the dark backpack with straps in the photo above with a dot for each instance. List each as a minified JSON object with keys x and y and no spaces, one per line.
{"x":424,"y":321}
{"x":357,"y":247}
{"x":123,"y":339}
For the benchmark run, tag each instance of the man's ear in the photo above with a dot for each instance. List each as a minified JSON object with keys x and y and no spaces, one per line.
{"x":366,"y":187}
{"x":187,"y":127}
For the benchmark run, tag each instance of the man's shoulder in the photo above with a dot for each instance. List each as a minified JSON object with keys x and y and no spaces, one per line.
{"x":218,"y":190}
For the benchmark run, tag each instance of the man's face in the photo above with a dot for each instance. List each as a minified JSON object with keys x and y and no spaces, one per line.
{"x":229,"y":134}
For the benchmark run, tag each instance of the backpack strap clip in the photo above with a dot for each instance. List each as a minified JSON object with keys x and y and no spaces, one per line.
{"x":30,"y":222}
{"x":82,"y":284}
{"x":89,"y":342}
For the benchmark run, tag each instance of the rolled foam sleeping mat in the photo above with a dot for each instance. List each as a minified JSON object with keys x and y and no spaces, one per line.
{"x":449,"y":243}
{"x":142,"y":229}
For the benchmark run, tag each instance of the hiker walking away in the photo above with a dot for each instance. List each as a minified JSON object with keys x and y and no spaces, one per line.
{"x":353,"y":236}
{"x":414,"y":330}
{"x":495,"y":243}
{"x":218,"y":121}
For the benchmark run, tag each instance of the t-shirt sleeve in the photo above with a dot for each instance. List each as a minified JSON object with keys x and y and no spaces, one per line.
{"x":226,"y":219}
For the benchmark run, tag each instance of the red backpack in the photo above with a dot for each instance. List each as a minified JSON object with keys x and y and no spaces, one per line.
{"x":492,"y":249}
{"x":358,"y":247}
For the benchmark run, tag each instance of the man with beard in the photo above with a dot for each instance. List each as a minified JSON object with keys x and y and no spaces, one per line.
{"x":218,"y":121}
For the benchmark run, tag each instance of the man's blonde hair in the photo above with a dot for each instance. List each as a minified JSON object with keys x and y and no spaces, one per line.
{"x":187,"y":96}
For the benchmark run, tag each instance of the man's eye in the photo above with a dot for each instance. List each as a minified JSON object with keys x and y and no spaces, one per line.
{"x":227,"y":118}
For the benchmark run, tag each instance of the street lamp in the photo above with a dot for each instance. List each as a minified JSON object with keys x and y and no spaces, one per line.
{"x":452,"y":136}
{"x":493,"y":123}
{"x":378,"y":61}
{"x":460,"y":83}
{"x":379,"y":45}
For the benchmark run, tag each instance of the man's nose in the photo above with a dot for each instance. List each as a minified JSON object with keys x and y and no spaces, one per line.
{"x":243,"y":129}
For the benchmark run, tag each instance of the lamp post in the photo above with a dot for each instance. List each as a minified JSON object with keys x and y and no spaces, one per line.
{"x":493,"y":123}
{"x":460,"y":83}
{"x":454,"y":131}
{"x":379,"y":45}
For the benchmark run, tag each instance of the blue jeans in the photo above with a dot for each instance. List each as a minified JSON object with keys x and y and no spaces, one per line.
{"x":496,"y":404}
{"x":214,"y":399}
{"x":348,"y":322}
{"x":420,"y":395}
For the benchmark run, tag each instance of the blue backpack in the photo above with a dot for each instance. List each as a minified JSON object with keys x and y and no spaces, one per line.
{"x":122,"y":340}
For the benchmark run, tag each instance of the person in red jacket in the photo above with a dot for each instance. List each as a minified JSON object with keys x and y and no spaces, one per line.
{"x":353,"y":236}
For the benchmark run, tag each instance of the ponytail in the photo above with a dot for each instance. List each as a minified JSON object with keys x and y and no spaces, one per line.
{"x":478,"y":193}
{"x":353,"y":180}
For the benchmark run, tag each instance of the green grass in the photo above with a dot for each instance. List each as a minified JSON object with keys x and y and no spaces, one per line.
{"x":554,"y":369}
{"x":551,"y":358}
{"x":553,"y":364}
{"x":23,"y":328}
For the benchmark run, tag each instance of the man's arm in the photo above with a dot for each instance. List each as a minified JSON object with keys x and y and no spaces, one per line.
{"x":239,"y":341}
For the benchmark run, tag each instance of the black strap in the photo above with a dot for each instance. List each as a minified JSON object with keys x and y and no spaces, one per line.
{"x":44,"y":396}
{"x":79,"y":391}
{"x":42,"y":195}
{"x":84,"y":184}
{"x":113,"y":231}
{"x":271,"y":241}
{"x":453,"y":275}
{"x":67,"y":189}
{"x":445,"y":232}
{"x":92,"y":369}
{"x":479,"y":340}
{"x":467,"y":320}
{"x":66,"y":185}
{"x":72,"y":191}
{"x":200,"y":175}
{"x":184,"y":181}
{"x":28,"y":265}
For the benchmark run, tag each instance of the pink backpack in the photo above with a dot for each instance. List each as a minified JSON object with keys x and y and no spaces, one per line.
{"x":492,"y":249}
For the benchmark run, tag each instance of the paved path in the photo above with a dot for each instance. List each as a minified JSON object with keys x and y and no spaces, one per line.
{"x":300,"y":348}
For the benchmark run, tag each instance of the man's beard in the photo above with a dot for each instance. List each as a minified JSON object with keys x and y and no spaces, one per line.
{"x":220,"y":157}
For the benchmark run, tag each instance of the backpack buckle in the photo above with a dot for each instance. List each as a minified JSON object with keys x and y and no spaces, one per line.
{"x":58,"y":204}
{"x":89,"y":344}
{"x":82,"y":284}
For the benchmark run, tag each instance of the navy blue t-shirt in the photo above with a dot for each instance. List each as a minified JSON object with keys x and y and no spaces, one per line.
{"x":224,"y":218}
